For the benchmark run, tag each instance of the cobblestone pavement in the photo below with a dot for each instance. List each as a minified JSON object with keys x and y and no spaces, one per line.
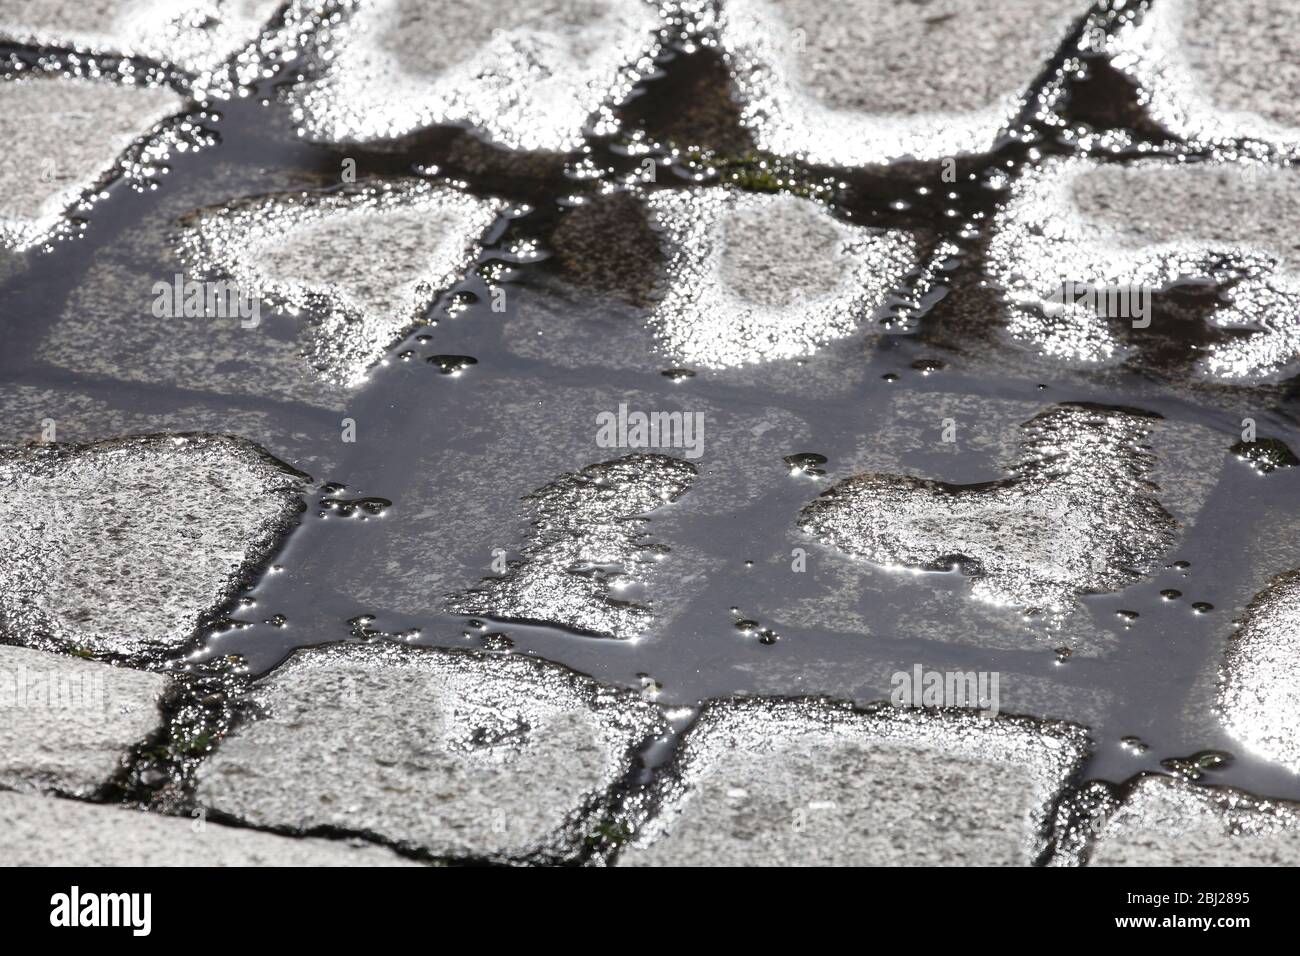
{"x":603,"y":432}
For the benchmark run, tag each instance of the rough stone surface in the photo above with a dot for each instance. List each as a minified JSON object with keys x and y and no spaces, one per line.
{"x":526,"y":76}
{"x":82,"y":416}
{"x":1258,"y":580}
{"x":878,"y":605}
{"x":605,"y":246}
{"x":1076,"y":517}
{"x":122,"y":546}
{"x":315,"y":252}
{"x":1218,"y":75}
{"x":590,"y":309}
{"x":196,"y":35}
{"x":802,"y":782}
{"x":584,"y":550}
{"x":846,"y":332}
{"x":544,"y":430}
{"x":43,"y":831}
{"x":213,"y":355}
{"x":65,"y":137}
{"x":906,"y":434}
{"x":755,"y":277}
{"x":942,"y":78}
{"x":1150,"y":225}
{"x":863,"y":674}
{"x":66,"y":723}
{"x":1260,"y":694}
{"x":454,"y":754}
{"x":1166,"y":822}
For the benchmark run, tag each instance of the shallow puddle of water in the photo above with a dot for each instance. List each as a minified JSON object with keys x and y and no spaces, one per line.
{"x":409,"y":412}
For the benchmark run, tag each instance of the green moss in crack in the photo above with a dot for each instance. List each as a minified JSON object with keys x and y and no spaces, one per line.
{"x":756,"y":172}
{"x":607,"y":837}
{"x":193,"y":746}
{"x":198,"y":710}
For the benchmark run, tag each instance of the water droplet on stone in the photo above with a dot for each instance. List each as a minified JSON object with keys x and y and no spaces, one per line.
{"x":806,"y":463}
{"x":1195,"y":766}
{"x":451,"y":364}
{"x":362,"y":508}
{"x":677,"y":374}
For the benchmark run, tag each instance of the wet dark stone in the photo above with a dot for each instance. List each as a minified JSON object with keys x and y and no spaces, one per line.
{"x":1266,"y":454}
{"x":606,"y":246}
{"x":693,"y":105}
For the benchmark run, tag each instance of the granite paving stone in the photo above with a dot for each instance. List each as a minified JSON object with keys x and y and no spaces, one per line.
{"x":172,"y":522}
{"x":66,"y":137}
{"x":456,"y":754}
{"x":527,"y":77}
{"x":943,"y":78}
{"x":1217,"y":77}
{"x":809,"y":782}
{"x":68,"y":724}
{"x":42,"y":831}
{"x":1166,"y":822}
